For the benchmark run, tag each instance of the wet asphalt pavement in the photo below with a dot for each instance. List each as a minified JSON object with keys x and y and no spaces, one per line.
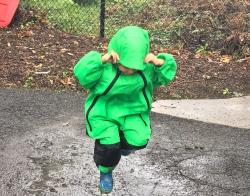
{"x":44,"y":151}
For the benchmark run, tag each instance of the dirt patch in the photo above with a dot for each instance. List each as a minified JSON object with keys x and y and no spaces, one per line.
{"x":34,"y":55}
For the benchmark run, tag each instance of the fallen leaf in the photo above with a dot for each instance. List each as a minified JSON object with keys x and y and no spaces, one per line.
{"x":64,"y":50}
{"x":42,"y":72}
{"x":70,"y":54}
{"x":225,"y":59}
{"x":38,"y":66}
{"x":45,"y":21}
{"x":206,"y":77}
{"x":41,"y":56}
{"x":29,"y":33}
{"x":197,"y":56}
{"x":243,"y":60}
{"x":65,"y":124}
{"x":66,"y":81}
{"x":76,"y":42}
{"x":175,"y":52}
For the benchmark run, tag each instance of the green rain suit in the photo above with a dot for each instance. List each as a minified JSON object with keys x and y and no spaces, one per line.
{"x":118,"y":106}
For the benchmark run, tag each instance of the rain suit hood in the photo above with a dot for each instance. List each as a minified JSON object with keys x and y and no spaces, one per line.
{"x":131,"y":43}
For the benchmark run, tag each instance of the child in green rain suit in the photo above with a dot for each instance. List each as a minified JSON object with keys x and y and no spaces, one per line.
{"x":121,"y":85}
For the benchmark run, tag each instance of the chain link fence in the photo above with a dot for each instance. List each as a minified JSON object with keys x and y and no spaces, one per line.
{"x":180,"y":22}
{"x":68,"y":15}
{"x":103,"y":18}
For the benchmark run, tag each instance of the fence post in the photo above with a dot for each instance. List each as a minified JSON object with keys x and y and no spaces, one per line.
{"x":102,"y":19}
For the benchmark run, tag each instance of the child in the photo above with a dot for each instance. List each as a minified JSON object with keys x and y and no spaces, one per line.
{"x":121,"y":85}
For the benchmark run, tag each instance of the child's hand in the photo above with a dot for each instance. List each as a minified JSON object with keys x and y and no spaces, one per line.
{"x":151,"y":58}
{"x":112,"y":57}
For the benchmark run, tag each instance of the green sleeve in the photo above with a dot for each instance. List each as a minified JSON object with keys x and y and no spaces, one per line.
{"x":164,"y":74}
{"x":89,"y":69}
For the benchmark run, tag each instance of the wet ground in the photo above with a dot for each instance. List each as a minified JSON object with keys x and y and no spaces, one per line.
{"x":44,"y":151}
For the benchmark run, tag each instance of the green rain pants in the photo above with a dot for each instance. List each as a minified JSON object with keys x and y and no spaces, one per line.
{"x":130,"y":133}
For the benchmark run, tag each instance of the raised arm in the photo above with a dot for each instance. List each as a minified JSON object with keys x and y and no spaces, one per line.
{"x":89,"y":69}
{"x":164,"y":68}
